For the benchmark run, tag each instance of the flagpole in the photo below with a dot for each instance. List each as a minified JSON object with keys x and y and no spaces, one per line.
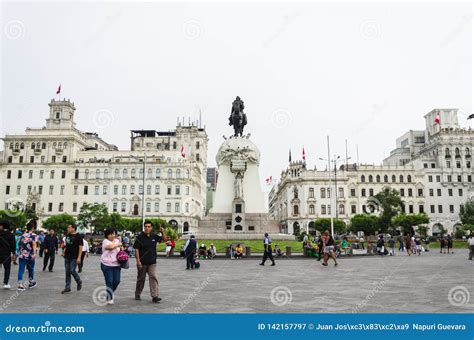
{"x":329,"y":172}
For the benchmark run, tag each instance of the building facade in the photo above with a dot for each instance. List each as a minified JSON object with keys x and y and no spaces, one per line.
{"x":57,"y":168}
{"x":431,"y":169}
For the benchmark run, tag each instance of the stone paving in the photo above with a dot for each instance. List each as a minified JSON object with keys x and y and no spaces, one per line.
{"x":430,"y":283}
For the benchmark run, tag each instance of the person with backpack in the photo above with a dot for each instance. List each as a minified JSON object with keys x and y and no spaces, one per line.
{"x":7,"y":251}
{"x":109,"y":264}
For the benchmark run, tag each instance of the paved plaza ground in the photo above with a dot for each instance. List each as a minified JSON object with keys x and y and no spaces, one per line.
{"x":431,"y":283}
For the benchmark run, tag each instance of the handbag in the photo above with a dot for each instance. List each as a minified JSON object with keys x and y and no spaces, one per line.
{"x":125,"y":265}
{"x":122,"y":258}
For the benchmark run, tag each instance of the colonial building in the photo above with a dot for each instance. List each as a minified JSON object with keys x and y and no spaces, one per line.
{"x":57,"y":168}
{"x":431,"y":169}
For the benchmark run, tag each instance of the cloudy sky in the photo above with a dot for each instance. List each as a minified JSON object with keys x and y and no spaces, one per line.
{"x":361,"y":72}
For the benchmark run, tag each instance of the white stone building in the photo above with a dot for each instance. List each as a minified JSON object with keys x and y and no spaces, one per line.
{"x":431,"y":169}
{"x":57,"y":168}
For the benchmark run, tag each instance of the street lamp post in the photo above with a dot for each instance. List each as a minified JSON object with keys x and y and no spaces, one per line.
{"x":143,"y":187}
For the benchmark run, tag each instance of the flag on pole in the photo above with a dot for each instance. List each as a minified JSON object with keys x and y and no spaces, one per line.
{"x":58,"y":91}
{"x":183,"y":154}
{"x":437,"y":119}
{"x":289,"y":156}
{"x":304,"y":155}
{"x":269,"y":180}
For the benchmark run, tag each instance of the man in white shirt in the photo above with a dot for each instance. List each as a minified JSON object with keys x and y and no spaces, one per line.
{"x":85,"y":251}
{"x":471,"y":245}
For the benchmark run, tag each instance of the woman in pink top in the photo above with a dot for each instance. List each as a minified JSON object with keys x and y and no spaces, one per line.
{"x":109,"y":264}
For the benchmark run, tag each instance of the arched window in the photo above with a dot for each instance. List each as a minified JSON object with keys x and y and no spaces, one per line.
{"x":22,"y":146}
{"x":33,"y":145}
{"x":11,"y":145}
{"x":323,"y":193}
{"x":60,"y":145}
{"x":125,"y":173}
{"x":43,"y":146}
{"x":341,"y":209}
{"x":371,"y":178}
{"x":76,"y":174}
{"x":140,"y":173}
{"x":311,"y":209}
{"x":158,"y":173}
{"x":377,"y":178}
{"x":394,"y":178}
{"x":170,"y":173}
{"x":178,"y":173}
{"x":133,"y":173}
{"x":186,"y":207}
{"x":106,"y":173}
{"x":362,"y":178}
{"x":457,"y":153}
{"x":38,"y":145}
{"x":385,"y":179}
{"x":311,"y":192}
{"x":401,"y":178}
{"x":117,"y":173}
{"x":150,"y":173}
{"x":409,"y":178}
{"x":86,"y":174}
{"x":97,"y":173}
{"x":17,"y":146}
{"x":295,"y":210}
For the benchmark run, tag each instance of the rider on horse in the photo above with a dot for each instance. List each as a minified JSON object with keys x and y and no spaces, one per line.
{"x":237,"y":116}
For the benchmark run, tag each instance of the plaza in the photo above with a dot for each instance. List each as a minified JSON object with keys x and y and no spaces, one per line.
{"x":430,"y":283}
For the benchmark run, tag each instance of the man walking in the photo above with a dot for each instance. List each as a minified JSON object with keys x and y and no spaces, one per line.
{"x":72,"y":257}
{"x":471,"y":246}
{"x":27,"y":256}
{"x":145,"y":253}
{"x":85,"y":251}
{"x":50,"y":250}
{"x":190,"y":252}
{"x":267,"y":252}
{"x":41,"y":237}
{"x":7,"y":251}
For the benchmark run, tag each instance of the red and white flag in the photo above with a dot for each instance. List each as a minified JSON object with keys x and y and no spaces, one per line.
{"x":269,"y":180}
{"x":304,"y":155}
{"x":58,"y":91}
{"x":183,"y":154}
{"x":437,"y":119}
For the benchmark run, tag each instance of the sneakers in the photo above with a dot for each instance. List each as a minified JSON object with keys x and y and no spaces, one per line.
{"x":6,"y":286}
{"x":137,"y":297}
{"x":156,"y":299}
{"x":262,"y":264}
{"x":66,"y":290}
{"x":21,"y":287}
{"x":110,"y":302}
{"x":79,"y":286}
{"x":273,"y":264}
{"x":32,"y":284}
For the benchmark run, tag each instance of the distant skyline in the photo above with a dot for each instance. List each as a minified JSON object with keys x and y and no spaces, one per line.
{"x":362,"y":72}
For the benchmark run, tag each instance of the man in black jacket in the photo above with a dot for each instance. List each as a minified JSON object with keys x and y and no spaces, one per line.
{"x":50,"y":249}
{"x":7,"y":251}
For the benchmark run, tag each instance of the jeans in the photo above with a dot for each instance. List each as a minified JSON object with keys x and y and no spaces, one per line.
{"x":6,"y":260}
{"x":49,"y":256}
{"x":112,"y":279}
{"x":30,"y":266}
{"x":70,"y":266}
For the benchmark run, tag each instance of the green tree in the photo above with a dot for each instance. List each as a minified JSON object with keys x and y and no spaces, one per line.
{"x":94,"y":216}
{"x":408,"y":221}
{"x":323,"y":224}
{"x":59,"y":223}
{"x":466,"y":213}
{"x":16,"y":218}
{"x":390,"y":204}
{"x":364,"y":222}
{"x":116,"y":221}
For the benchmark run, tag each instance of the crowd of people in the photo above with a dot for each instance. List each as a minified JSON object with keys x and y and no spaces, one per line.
{"x":22,"y":247}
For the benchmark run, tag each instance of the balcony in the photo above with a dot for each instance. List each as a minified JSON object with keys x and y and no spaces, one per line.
{"x":16,"y":151}
{"x":58,"y":151}
{"x":37,"y":151}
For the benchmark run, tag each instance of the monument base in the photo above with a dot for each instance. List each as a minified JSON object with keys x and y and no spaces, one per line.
{"x":220,"y":226}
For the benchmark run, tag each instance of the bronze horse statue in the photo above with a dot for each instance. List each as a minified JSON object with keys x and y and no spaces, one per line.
{"x":238,"y":119}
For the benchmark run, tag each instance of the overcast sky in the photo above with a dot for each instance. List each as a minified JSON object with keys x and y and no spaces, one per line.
{"x":365,"y":72}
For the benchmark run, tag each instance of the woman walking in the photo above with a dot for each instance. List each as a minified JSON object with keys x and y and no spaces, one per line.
{"x":328,"y":248}
{"x":109,"y":263}
{"x":408,"y":244}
